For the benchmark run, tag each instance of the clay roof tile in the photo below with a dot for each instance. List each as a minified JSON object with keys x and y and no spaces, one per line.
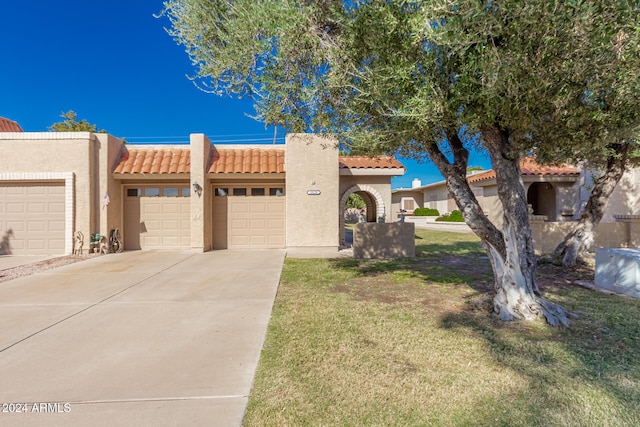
{"x":247,"y":160}
{"x":365,"y":162}
{"x":529,"y":166}
{"x":7,"y":125}
{"x":144,"y":160}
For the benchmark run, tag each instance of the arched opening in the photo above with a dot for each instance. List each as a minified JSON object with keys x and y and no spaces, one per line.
{"x":542,"y":198}
{"x":374,"y":208}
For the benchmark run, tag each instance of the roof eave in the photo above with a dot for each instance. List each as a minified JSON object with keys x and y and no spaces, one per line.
{"x":373,"y":171}
{"x":151,"y":176}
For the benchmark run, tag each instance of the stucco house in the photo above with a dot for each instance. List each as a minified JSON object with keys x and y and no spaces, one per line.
{"x":198,"y":196}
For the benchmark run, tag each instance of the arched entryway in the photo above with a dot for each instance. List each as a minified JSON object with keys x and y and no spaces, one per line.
{"x":372,"y":199}
{"x":542,"y":198}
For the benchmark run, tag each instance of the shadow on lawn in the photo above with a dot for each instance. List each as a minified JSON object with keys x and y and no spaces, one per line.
{"x":469,"y":270}
{"x":430,"y":248}
{"x":596,"y":355}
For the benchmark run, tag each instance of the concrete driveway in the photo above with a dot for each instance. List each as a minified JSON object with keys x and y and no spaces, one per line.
{"x":146,"y":338}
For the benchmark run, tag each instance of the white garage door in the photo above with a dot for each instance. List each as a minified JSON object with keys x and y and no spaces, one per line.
{"x":157,"y":217}
{"x":32,"y":218}
{"x":249,"y":216}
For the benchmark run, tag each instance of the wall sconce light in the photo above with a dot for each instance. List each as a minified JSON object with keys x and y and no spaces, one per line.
{"x":197,"y":189}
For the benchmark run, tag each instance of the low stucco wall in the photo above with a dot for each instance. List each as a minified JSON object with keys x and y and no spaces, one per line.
{"x":548,"y":235}
{"x":384,"y":240}
{"x":420,"y":220}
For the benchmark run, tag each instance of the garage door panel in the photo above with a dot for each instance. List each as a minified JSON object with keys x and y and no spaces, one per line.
{"x":258,"y":207}
{"x":275,"y":223}
{"x":35,"y":213}
{"x":170,"y":241}
{"x":169,"y":225}
{"x":275,"y":208}
{"x":56,"y":226}
{"x":36,"y":208}
{"x":170,"y":208}
{"x":151,"y":207}
{"x":152,"y":242}
{"x":239,"y":207}
{"x":239,"y":224}
{"x":257,"y":224}
{"x":36,"y":226}
{"x":16,"y":227}
{"x":56,"y":207}
{"x":36,"y":245}
{"x":258,"y":240}
{"x":152,"y":225}
{"x":16,"y":208}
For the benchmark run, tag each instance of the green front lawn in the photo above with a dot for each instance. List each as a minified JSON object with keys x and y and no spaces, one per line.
{"x":413,"y":342}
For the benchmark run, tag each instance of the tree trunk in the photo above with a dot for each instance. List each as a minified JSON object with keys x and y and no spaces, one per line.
{"x":580,"y":239}
{"x":517,"y":295}
{"x":510,"y":251}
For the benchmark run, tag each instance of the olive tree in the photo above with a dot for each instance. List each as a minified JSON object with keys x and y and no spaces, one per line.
{"x":429,"y":79}
{"x":72,"y":124}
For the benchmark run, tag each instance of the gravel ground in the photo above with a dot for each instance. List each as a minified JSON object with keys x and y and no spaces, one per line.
{"x":36,"y":267}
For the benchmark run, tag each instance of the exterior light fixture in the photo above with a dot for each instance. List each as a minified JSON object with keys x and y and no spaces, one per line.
{"x":197,"y":188}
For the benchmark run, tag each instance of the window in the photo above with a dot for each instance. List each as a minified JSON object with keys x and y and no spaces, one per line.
{"x":276,"y":191}
{"x":170,"y":192}
{"x":152,"y":192}
{"x":257,"y":192}
{"x":222,"y":192}
{"x":133,"y":192}
{"x":408,"y":204}
{"x":239,"y":191}
{"x":185,"y":191}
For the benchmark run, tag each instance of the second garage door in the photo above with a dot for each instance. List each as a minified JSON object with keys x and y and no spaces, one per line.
{"x":157,"y":217}
{"x":249,"y":216}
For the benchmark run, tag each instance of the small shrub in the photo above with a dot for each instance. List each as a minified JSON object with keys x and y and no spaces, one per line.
{"x":455,"y":216}
{"x":426,"y":212}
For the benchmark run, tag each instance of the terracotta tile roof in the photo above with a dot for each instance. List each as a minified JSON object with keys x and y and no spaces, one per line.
{"x":529,"y":166}
{"x":247,"y":160}
{"x":365,"y":162}
{"x":7,"y":125}
{"x":157,"y":160}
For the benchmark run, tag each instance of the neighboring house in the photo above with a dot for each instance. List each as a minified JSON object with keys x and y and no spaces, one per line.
{"x":555,"y":192}
{"x":198,"y":196}
{"x":7,"y":125}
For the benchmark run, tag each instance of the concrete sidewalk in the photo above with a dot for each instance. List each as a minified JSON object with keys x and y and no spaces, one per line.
{"x":147,"y":338}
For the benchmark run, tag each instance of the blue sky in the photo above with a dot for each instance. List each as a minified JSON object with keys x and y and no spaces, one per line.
{"x":112,"y":62}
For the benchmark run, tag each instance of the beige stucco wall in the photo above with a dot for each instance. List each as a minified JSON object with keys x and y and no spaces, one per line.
{"x":548,"y":235}
{"x":63,"y":152}
{"x":312,"y":165}
{"x":490,"y":203}
{"x":111,"y":215}
{"x":437,"y":197}
{"x":389,"y":240}
{"x":625,"y":199}
{"x":88,"y":157}
{"x":201,"y":208}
